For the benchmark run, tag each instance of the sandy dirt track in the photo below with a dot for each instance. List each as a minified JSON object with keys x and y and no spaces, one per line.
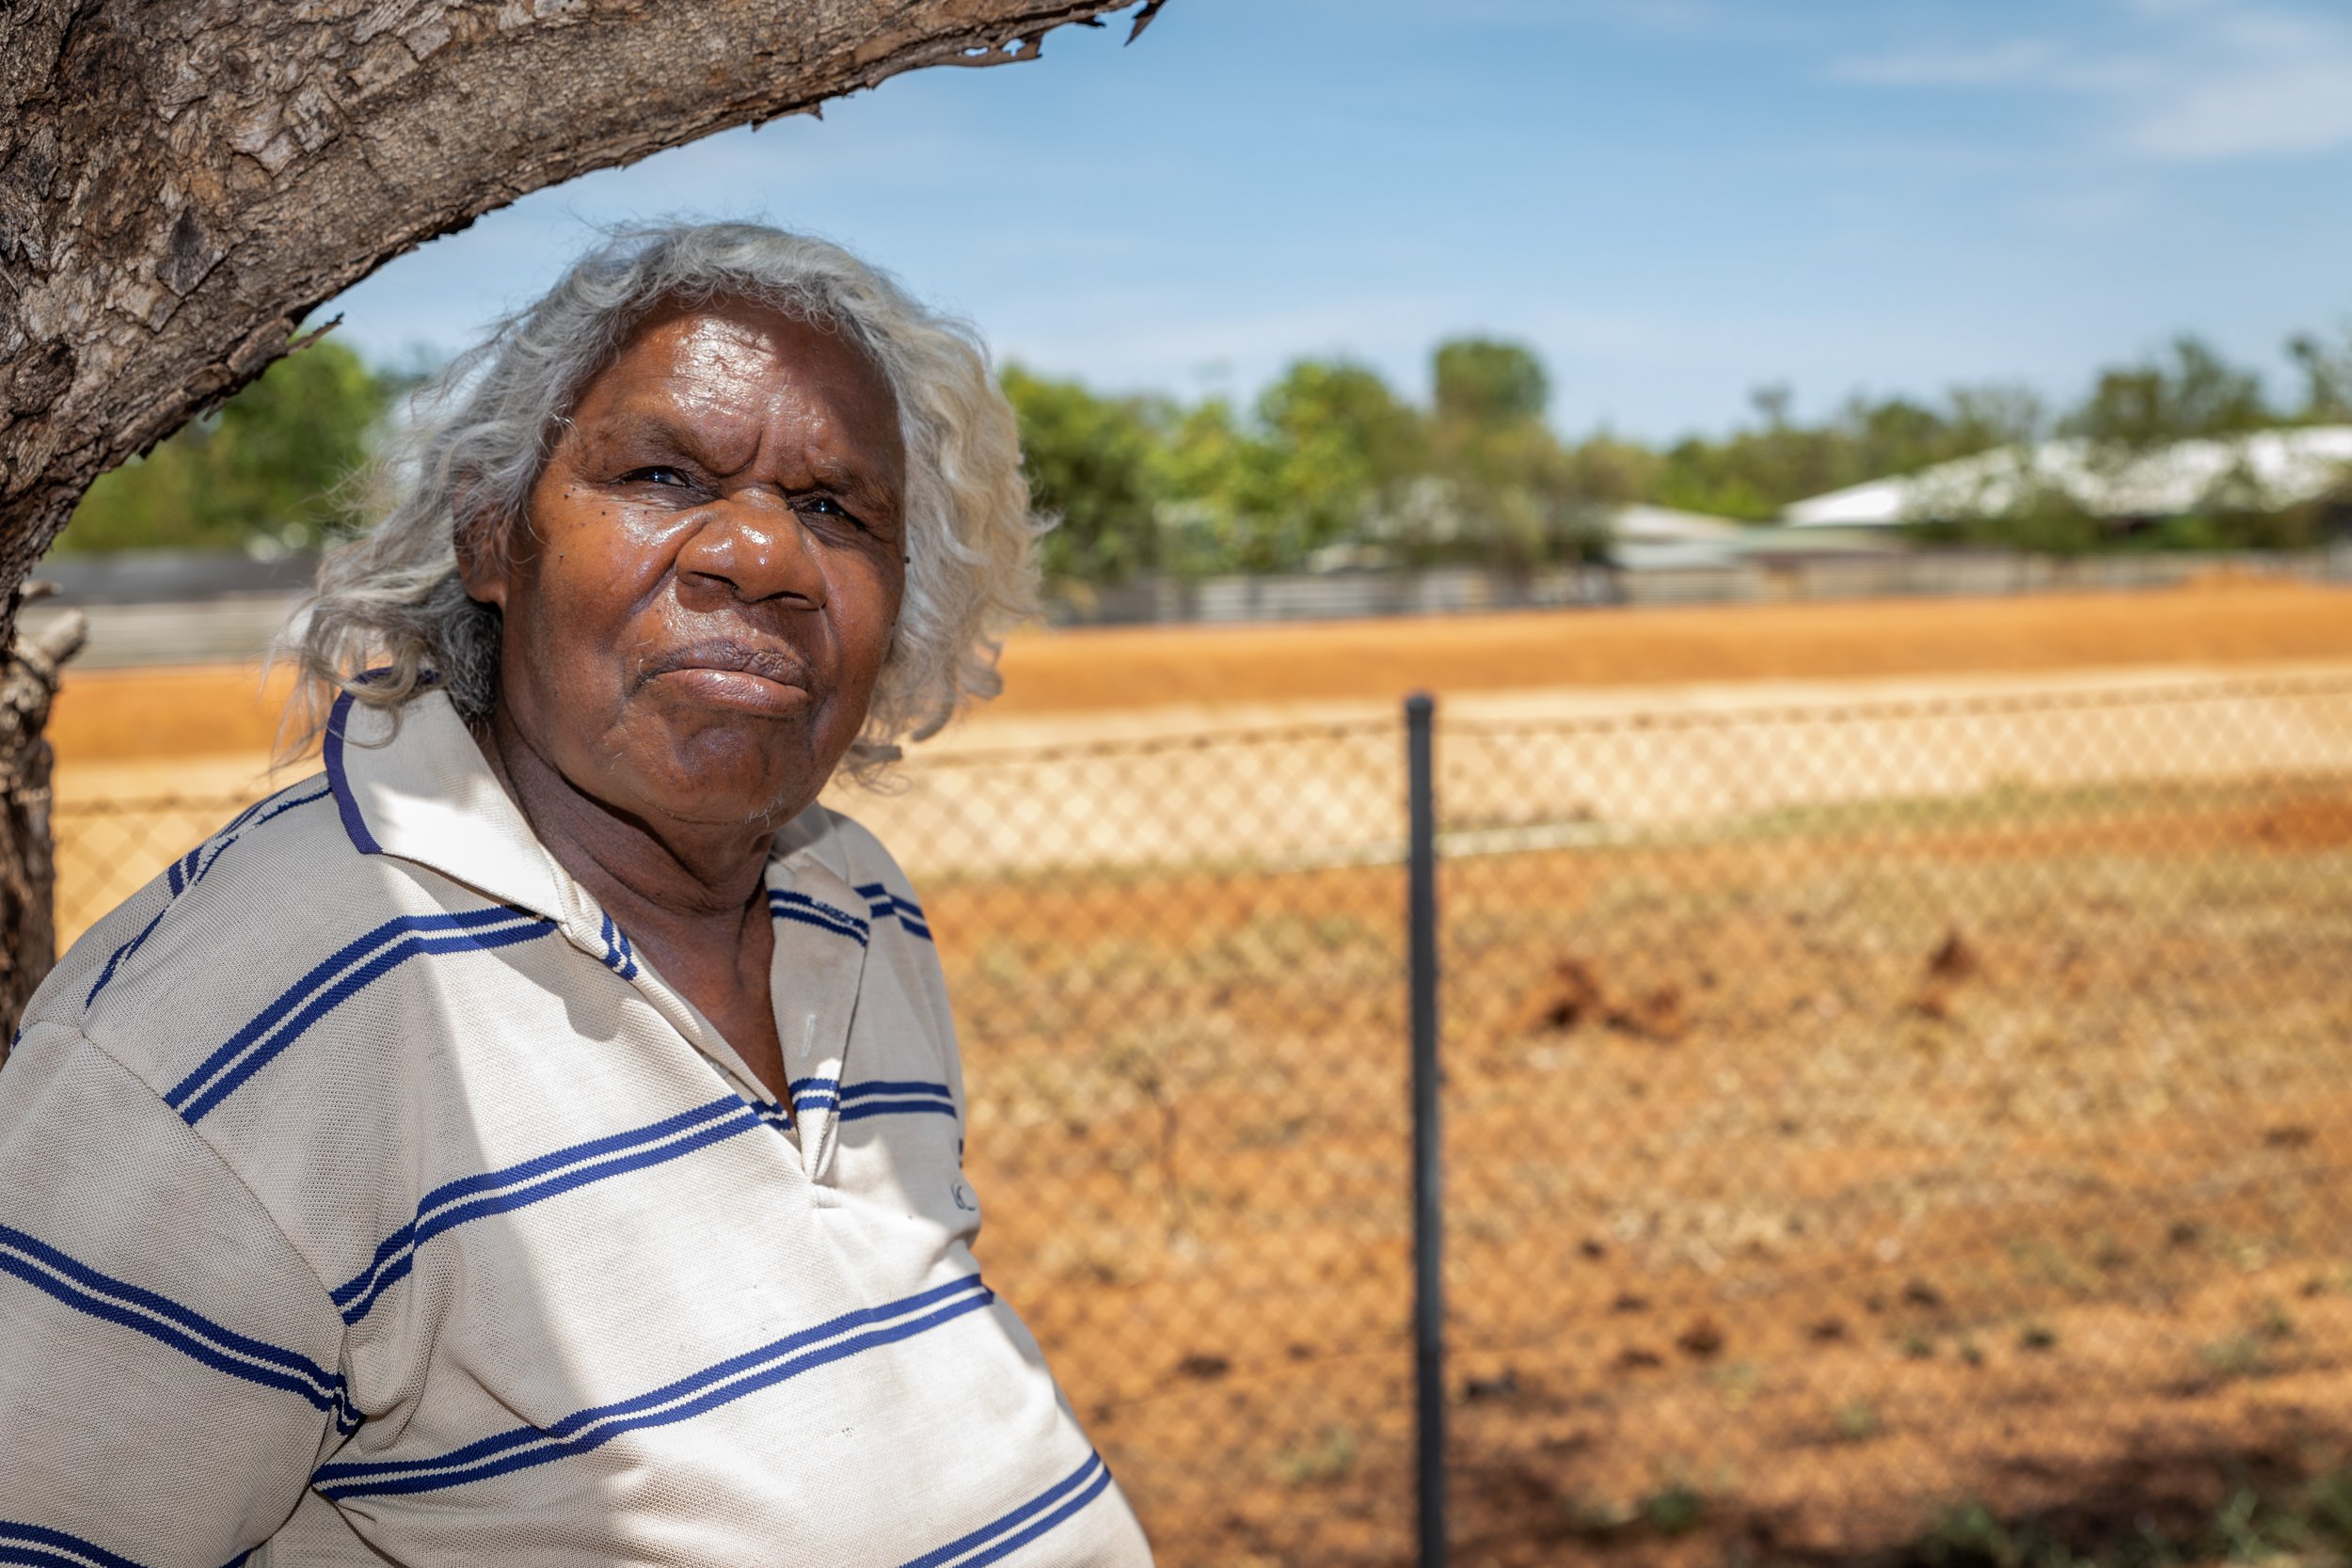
{"x":112,"y":715}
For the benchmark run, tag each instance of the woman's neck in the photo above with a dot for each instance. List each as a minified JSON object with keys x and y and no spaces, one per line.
{"x":676,"y":875}
{"x":688,"y":897}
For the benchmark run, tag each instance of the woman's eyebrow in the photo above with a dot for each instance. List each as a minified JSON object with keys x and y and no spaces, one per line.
{"x":650,"y":429}
{"x":849,"y":477}
{"x":641,"y":431}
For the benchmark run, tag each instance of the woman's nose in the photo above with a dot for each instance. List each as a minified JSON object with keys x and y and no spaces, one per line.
{"x":756,"y":546}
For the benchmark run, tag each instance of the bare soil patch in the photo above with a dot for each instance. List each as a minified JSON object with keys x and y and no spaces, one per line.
{"x":1112,"y":669}
{"x":1802,"y":1186}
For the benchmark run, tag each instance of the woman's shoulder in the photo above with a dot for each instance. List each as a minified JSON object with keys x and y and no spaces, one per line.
{"x":214,"y":928}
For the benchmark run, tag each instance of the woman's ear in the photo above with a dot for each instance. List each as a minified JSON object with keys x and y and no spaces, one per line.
{"x":483,"y":558}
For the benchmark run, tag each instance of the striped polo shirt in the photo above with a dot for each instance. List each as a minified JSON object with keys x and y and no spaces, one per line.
{"x":365,"y":1197}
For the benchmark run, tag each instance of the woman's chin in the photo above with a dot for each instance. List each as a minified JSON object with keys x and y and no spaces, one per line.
{"x":730,"y":779}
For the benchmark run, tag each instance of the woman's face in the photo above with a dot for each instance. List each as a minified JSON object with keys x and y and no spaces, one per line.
{"x":703,"y":589}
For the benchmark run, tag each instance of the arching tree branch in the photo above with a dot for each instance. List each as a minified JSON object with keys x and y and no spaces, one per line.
{"x":181,"y":182}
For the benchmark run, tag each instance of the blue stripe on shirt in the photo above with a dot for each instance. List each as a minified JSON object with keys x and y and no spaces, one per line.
{"x":114,"y":959}
{"x":870,"y":1087}
{"x":200,"y":860}
{"x":882,"y":904}
{"x":879,"y":1097}
{"x":119,"y":1300}
{"x":886,"y":1096}
{"x":814,"y":1094}
{"x":897,"y":1108}
{"x":334,"y":981}
{"x":42,"y":1557}
{"x":331,"y":756}
{"x":1013,"y":1530}
{"x":190,"y":869}
{"x":619,"y":956}
{"x":523,"y":1448}
{"x":808,"y":911}
{"x":547,"y":1176}
{"x":68,"y":1549}
{"x":54,"y":1549}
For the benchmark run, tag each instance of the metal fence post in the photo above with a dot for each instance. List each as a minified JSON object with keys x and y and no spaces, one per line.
{"x":1428,"y":1281}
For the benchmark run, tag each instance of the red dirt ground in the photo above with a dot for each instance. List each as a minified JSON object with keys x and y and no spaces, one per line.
{"x":1800,"y":1183}
{"x":118,"y":714}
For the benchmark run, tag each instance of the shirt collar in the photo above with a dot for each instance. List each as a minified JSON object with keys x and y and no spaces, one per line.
{"x":411,"y":784}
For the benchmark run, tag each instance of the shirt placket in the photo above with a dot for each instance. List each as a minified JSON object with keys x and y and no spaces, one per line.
{"x":594,"y":932}
{"x":822,"y":939}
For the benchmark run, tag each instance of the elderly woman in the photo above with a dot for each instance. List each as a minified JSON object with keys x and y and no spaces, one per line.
{"x":537,"y":1139}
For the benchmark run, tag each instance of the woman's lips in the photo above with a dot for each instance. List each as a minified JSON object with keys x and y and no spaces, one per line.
{"x":748,"y":677}
{"x":738,"y":689}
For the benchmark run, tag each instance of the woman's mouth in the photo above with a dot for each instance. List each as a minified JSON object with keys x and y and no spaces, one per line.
{"x":750,"y":677}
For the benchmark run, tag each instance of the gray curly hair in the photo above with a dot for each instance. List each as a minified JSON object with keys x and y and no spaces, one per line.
{"x":389,"y":617}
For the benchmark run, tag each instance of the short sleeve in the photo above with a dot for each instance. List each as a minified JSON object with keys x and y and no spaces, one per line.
{"x":167,"y":1360}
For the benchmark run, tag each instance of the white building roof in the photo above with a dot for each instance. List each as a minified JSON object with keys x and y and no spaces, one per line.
{"x":2265,"y":470}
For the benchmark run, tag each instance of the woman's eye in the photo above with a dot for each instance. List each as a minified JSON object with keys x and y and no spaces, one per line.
{"x":658,"y":474}
{"x":825,"y":506}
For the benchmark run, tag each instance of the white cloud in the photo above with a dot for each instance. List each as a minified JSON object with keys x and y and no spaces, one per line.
{"x":2264,"y":83}
{"x":2022,"y":60}
{"x":2197,"y":80}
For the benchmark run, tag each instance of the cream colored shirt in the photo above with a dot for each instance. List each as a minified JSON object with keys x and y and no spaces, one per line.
{"x":365,"y":1197}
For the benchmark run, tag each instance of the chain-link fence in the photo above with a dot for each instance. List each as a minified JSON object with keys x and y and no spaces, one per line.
{"x":1854,"y":1112}
{"x":1864,"y":1111}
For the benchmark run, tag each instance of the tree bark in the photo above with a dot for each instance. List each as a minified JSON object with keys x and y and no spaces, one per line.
{"x":183,"y":180}
{"x":28,"y":874}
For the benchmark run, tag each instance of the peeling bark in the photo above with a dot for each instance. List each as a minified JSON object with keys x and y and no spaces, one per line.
{"x":183,"y":180}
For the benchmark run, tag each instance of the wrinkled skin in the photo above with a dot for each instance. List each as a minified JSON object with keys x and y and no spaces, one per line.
{"x":696,"y":608}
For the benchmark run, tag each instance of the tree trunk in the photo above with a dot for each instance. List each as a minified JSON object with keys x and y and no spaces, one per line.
{"x":183,"y":180}
{"x":29,"y":873}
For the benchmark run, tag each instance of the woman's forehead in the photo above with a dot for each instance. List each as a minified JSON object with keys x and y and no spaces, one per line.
{"x":736,"y":358}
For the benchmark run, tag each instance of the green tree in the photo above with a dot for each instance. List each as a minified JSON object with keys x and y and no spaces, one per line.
{"x":1606,"y":470}
{"x":1238,"y":497}
{"x":262,"y":471}
{"x":1330,"y":453}
{"x":2190,"y":391}
{"x":1337,"y":441}
{"x":1089,"y":462}
{"x":1311,"y":464}
{"x":1755,"y":472}
{"x":2327,"y":376}
{"x":1489,"y":384}
{"x":1992,"y":414}
{"x":1520,"y":497}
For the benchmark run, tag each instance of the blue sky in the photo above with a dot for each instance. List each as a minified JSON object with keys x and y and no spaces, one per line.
{"x":1674,"y":201}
